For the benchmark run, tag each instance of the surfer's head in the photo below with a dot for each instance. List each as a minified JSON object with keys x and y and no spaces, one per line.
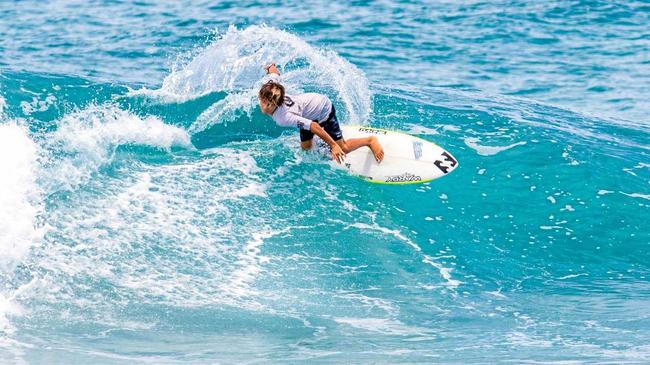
{"x":271,"y":96}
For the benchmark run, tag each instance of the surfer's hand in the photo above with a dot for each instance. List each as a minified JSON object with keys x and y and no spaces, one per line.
{"x":337,"y":154}
{"x":272,"y":69}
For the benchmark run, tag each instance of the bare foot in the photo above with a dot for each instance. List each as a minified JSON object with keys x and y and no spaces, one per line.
{"x":376,"y":149}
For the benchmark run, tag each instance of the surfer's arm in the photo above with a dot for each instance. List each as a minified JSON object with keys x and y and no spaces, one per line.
{"x":272,"y":72}
{"x":272,"y":69}
{"x":337,"y":152}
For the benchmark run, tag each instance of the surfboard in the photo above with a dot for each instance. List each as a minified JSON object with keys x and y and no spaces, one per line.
{"x":407,"y":159}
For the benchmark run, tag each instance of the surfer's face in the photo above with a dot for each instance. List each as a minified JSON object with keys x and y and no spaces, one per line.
{"x":267,"y":108}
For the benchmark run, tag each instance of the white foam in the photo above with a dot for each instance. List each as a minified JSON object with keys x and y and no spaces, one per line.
{"x":249,"y":263}
{"x":568,"y":207}
{"x":571,"y":276}
{"x":488,"y":150}
{"x":385,"y":326}
{"x":637,"y":195}
{"x":369,"y":301}
{"x":94,"y":129}
{"x":450,"y":128}
{"x":8,"y":307}
{"x":225,"y":110}
{"x":418,"y":129}
{"x":37,"y":105}
{"x":445,"y":272}
{"x":19,"y":207}
{"x":90,"y":138}
{"x":19,"y":196}
{"x":497,"y":293}
{"x":518,"y":338}
{"x":394,"y":232}
{"x":195,"y":212}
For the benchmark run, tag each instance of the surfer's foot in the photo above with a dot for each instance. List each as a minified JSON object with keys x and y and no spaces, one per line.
{"x":376,"y":149}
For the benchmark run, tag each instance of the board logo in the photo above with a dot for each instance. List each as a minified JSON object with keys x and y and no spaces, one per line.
{"x":446,"y":163}
{"x":417,"y":149}
{"x":405,"y":177}
{"x":372,"y":131}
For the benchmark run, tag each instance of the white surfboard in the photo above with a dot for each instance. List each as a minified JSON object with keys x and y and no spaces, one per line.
{"x":407,"y":159}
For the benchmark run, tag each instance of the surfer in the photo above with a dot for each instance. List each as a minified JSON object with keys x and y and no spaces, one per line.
{"x":313,"y":114}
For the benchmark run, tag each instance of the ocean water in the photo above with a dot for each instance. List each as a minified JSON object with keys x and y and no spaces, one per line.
{"x":151,"y":214}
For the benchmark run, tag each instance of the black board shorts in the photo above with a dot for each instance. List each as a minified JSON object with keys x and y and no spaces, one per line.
{"x":331,"y":126}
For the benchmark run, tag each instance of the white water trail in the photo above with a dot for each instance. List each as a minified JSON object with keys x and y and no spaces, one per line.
{"x":87,"y":139}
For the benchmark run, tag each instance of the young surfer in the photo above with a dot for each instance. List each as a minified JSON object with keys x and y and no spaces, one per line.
{"x":313,"y":114}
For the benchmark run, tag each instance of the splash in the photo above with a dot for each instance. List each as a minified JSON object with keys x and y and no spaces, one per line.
{"x":196,"y":213}
{"x":19,"y":208}
{"x":234,"y":64}
{"x":19,"y":195}
{"x":489,"y":150}
{"x":88,"y":139}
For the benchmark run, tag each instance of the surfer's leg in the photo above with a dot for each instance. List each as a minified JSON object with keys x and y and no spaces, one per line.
{"x":354,"y":143}
{"x":305,"y":145}
{"x":333,"y":128}
{"x":305,"y":139}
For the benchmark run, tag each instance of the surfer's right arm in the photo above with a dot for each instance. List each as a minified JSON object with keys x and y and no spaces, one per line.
{"x":284,"y":118}
{"x":337,"y":153}
{"x":272,"y":70}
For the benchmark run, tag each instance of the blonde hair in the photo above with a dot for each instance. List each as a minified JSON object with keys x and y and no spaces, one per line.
{"x":273,"y":93}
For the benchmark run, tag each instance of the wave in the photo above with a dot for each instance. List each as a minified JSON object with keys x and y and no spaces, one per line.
{"x":141,"y":223}
{"x":88,"y":139}
{"x":488,"y":117}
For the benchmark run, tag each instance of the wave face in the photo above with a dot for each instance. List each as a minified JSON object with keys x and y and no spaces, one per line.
{"x":150,"y":213}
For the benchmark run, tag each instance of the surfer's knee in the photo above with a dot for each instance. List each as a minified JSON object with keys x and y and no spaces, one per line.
{"x":305,"y":145}
{"x":344,"y":146}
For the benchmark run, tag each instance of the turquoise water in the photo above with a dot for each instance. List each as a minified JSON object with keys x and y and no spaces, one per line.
{"x":149,"y":213}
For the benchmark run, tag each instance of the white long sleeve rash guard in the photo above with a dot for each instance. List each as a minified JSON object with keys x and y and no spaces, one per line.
{"x":306,"y":108}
